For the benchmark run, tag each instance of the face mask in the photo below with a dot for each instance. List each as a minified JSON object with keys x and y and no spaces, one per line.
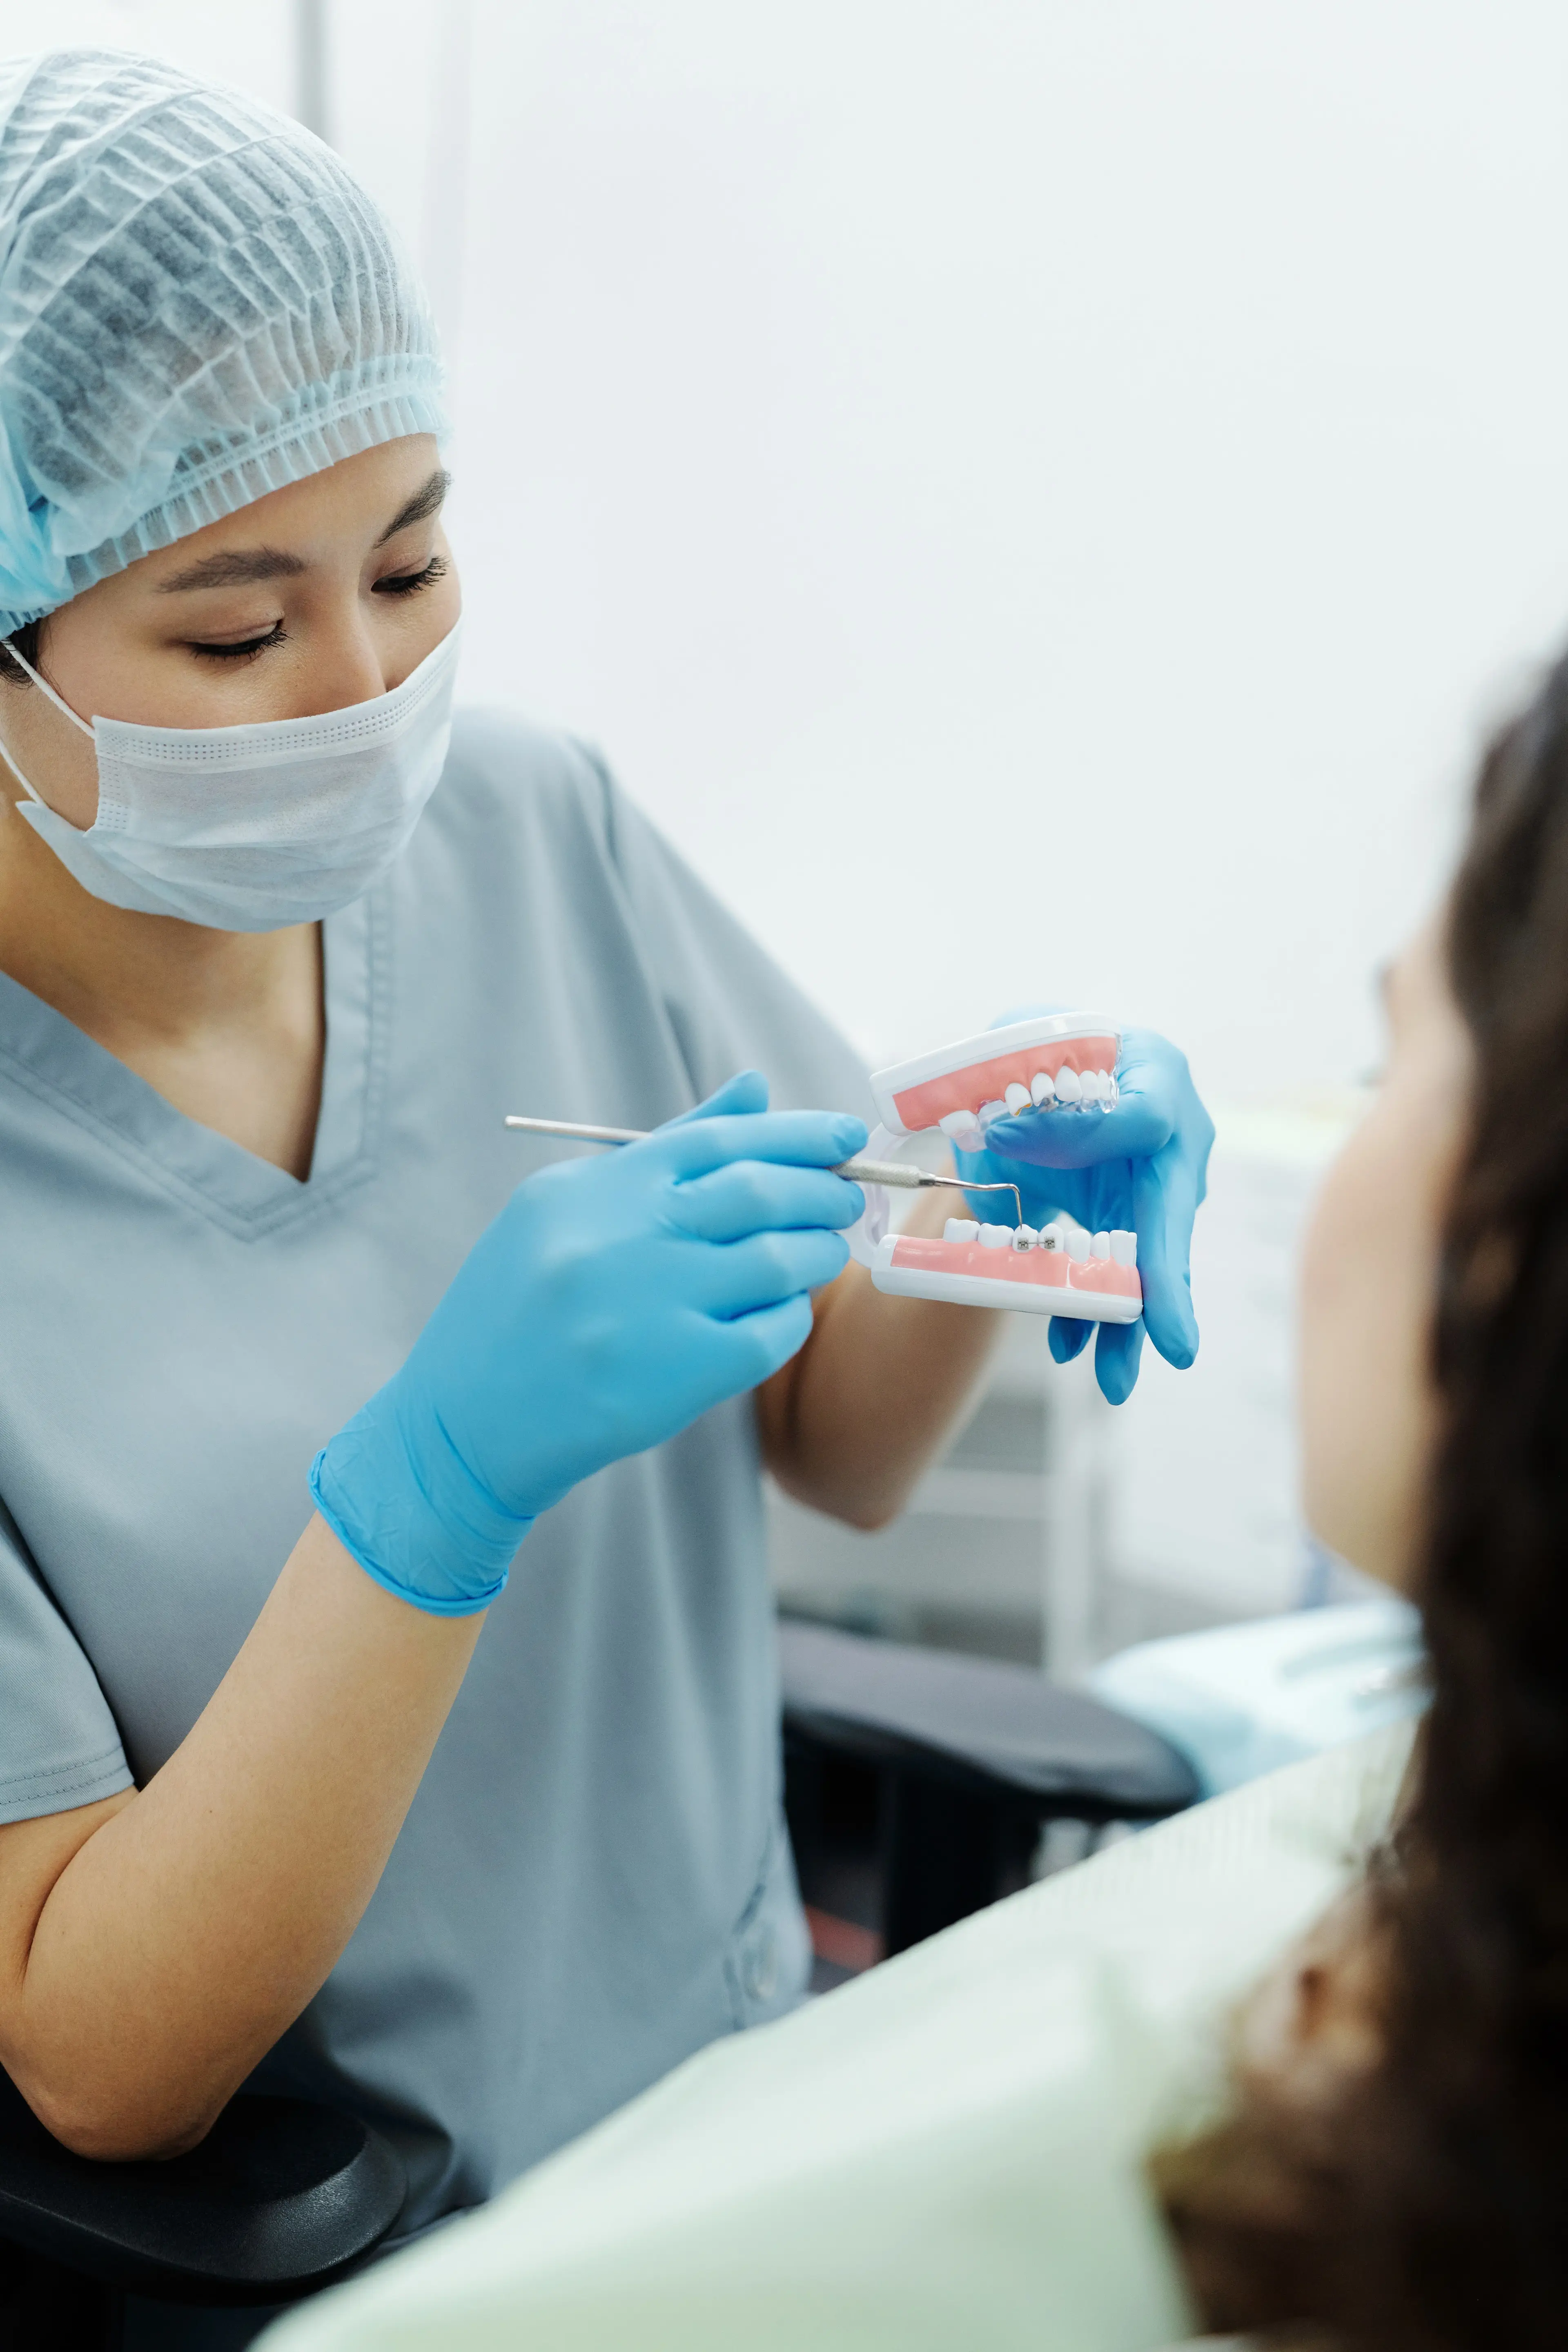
{"x":251,"y":828}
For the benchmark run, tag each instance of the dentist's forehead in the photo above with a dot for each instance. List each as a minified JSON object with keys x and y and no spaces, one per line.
{"x":237,"y":565}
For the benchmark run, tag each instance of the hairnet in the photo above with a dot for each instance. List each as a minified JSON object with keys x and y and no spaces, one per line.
{"x":198,"y":303}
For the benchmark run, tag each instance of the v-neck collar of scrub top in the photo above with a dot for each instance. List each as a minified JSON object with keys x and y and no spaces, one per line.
{"x":41,"y":1050}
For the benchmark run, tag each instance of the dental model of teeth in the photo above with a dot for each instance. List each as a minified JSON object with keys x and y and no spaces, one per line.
{"x":1060,"y":1061}
{"x":1064,"y":1063}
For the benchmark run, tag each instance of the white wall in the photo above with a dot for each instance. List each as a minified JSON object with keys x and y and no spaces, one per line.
{"x":252,"y":44}
{"x":1202,"y":1492}
{"x":1037,"y":500}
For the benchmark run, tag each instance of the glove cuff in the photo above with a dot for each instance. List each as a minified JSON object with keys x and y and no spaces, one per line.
{"x":436,"y":1541}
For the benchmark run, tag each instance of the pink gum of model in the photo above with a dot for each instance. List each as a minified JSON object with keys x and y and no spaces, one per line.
{"x":931,"y":1101}
{"x":1044,"y":1269}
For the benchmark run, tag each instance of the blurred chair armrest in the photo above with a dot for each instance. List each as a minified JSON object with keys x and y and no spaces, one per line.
{"x":280,"y":2199}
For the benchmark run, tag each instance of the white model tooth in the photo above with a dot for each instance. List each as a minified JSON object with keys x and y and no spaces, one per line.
{"x":1069,"y":1087}
{"x":961,"y":1229}
{"x":1124,"y":1248}
{"x":1100,"y":1246}
{"x":988,"y":1113}
{"x":995,"y":1236}
{"x":1042,"y":1088}
{"x":1107,"y":1091}
{"x":1024,"y":1237}
{"x":1078,"y":1247}
{"x":1052,"y":1237}
{"x":956,"y":1122}
{"x":1089,"y":1085}
{"x":1016,"y":1099}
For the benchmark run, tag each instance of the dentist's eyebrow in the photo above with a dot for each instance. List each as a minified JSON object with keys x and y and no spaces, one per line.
{"x":421,"y":506}
{"x":246,"y":567}
{"x":234,"y":567}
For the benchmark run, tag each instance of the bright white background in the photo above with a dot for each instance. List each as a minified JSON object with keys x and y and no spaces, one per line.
{"x":1037,"y":500}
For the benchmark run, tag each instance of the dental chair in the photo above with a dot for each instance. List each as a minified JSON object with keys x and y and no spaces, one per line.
{"x":917,"y":1784}
{"x":280,"y":2199}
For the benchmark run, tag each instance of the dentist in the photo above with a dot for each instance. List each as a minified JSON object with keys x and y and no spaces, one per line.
{"x":300,"y":1387}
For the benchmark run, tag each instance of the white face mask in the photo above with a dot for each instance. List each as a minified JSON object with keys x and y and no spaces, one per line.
{"x":250,"y":828}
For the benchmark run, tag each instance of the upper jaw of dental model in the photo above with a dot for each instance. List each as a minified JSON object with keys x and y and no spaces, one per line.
{"x":1055,"y":1062}
{"x":1067,"y":1089}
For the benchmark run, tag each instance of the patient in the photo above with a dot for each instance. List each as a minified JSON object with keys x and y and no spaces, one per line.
{"x":1396,"y":2169}
{"x":954,"y":2152}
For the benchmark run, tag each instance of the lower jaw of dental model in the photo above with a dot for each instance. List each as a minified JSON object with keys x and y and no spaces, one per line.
{"x":1059,"y":1061}
{"x":1064,"y":1063}
{"x":1058,"y":1271}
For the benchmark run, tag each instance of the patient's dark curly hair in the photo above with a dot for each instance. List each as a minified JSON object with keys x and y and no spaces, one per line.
{"x":1426,"y":2210}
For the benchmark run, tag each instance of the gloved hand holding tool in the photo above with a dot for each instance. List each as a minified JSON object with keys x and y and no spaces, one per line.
{"x":612,"y":1302}
{"x":1140,"y":1165}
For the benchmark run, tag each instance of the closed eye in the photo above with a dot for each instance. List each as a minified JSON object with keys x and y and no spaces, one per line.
{"x":409,"y":584}
{"x":245,"y":650}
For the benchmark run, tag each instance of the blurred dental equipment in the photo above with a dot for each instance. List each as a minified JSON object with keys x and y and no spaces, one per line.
{"x":857,"y":1171}
{"x":1063,"y":1063}
{"x":1239,"y":1701}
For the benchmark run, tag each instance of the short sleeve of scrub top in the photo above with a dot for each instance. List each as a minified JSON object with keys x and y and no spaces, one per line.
{"x":593,"y":1880}
{"x":59,"y":1747}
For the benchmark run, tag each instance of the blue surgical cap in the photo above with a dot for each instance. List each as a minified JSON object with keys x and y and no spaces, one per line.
{"x":198,"y":303}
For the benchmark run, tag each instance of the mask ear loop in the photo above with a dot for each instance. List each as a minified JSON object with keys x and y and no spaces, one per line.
{"x":61,"y":705}
{"x":46,"y":690}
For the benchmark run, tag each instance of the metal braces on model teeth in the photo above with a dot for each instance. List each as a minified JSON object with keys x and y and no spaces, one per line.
{"x":1069,"y":1089}
{"x":1060,"y":1062}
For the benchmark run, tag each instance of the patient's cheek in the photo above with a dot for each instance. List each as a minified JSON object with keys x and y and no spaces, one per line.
{"x":1367,"y":1277}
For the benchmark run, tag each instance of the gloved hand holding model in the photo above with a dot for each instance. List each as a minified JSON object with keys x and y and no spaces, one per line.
{"x":1141,"y":1165}
{"x":611,"y":1303}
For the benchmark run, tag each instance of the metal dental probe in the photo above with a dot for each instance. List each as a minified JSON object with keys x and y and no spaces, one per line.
{"x":858,"y":1171}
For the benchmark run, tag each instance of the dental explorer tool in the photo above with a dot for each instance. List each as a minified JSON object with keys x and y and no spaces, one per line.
{"x":857,"y":1171}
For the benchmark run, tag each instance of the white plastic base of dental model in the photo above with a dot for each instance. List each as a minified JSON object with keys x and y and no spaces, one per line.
{"x":986,"y":1291}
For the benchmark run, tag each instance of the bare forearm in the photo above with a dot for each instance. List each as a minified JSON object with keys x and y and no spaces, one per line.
{"x":195,"y":1923}
{"x":871,"y":1398}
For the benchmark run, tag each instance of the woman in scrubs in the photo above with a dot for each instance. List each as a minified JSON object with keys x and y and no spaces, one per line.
{"x":273,"y":1813}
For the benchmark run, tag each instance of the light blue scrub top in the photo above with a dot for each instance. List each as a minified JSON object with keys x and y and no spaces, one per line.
{"x":593,"y":1880}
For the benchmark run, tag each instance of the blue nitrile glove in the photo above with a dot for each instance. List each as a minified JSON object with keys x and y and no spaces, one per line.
{"x":612,"y":1302}
{"x":1142,"y":1166}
